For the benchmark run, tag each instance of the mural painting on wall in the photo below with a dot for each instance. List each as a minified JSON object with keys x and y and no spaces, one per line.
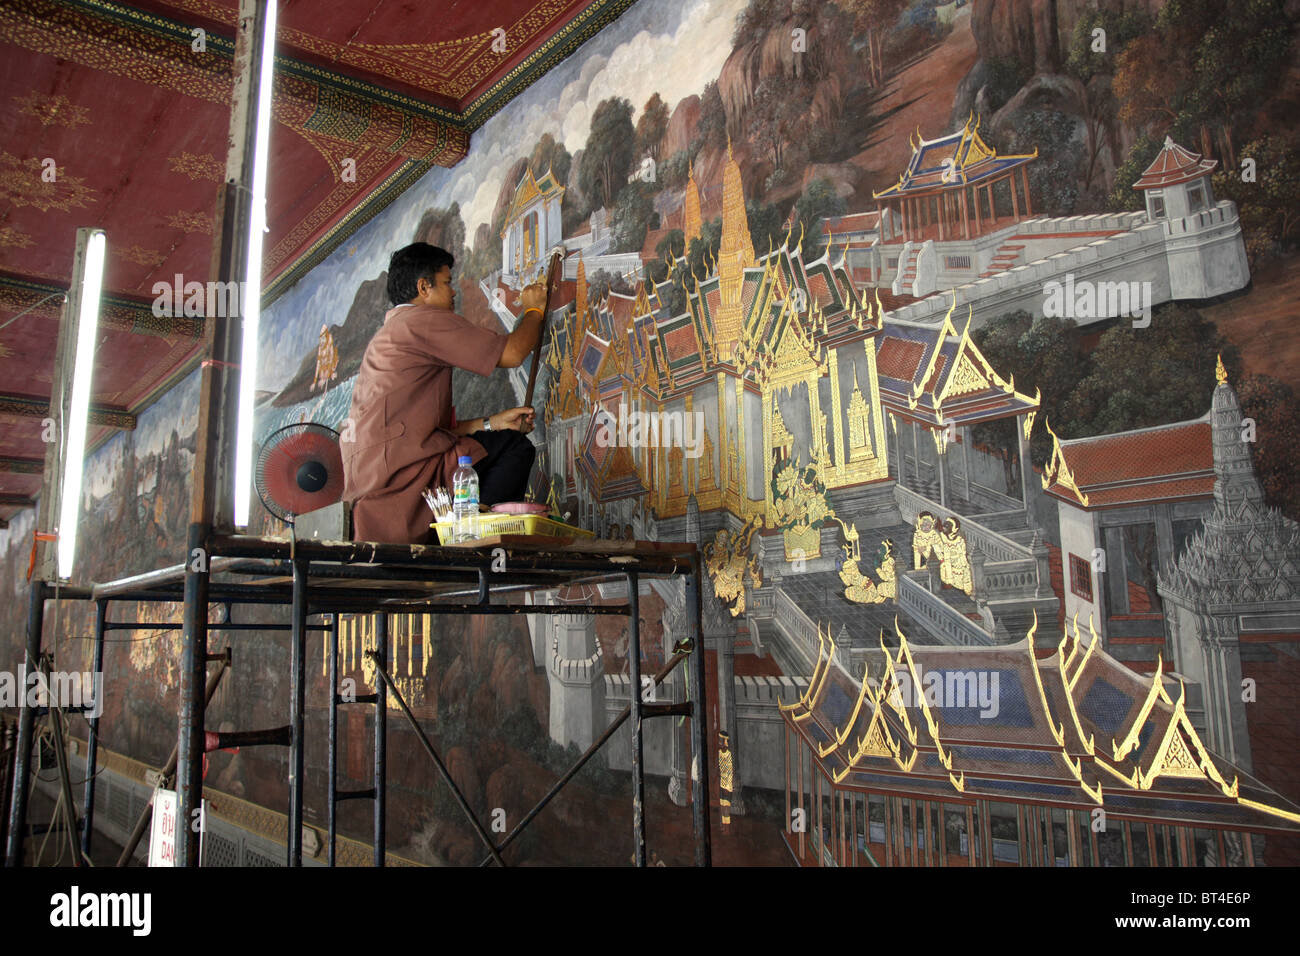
{"x":769,"y":214}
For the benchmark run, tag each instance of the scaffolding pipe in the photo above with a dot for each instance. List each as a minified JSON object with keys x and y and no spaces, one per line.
{"x":699,"y":723}
{"x":297,"y":706}
{"x":167,"y":586}
{"x":26,"y":725}
{"x":380,"y":656}
{"x":61,"y":759}
{"x":192,"y":705}
{"x":92,"y":735}
{"x":638,"y":740}
{"x":332,"y":638}
{"x":581,"y":762}
{"x":169,"y":768}
{"x":437,"y":761}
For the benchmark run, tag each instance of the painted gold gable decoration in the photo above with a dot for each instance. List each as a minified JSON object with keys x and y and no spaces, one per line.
{"x":1178,"y":761}
{"x":967,"y":378}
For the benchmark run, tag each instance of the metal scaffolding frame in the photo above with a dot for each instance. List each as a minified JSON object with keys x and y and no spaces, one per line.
{"x":317,"y":579}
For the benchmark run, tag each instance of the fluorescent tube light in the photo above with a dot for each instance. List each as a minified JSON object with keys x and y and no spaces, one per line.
{"x":251,"y":289}
{"x":92,"y":282}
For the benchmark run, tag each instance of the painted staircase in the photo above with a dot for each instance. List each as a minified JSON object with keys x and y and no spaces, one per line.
{"x":909,"y":268}
{"x":1006,"y":256}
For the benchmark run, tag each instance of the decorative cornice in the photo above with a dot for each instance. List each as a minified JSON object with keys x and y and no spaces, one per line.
{"x":22,"y":466}
{"x":162,"y":26}
{"x":566,"y":41}
{"x":116,"y":312}
{"x":379,"y":198}
{"x":31,"y":407}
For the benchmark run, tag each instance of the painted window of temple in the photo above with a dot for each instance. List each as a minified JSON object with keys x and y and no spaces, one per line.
{"x":1080,"y":577}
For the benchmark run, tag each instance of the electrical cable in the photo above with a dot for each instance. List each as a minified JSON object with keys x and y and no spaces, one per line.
{"x":15,"y":318}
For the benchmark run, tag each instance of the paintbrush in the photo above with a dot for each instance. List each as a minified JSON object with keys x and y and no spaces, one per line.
{"x":439,"y":503}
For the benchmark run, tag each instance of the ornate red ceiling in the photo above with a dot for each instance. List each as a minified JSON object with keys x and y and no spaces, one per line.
{"x":132,"y":121}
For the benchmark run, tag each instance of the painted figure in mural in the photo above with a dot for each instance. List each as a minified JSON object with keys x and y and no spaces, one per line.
{"x":888,"y":571}
{"x":727,"y":561}
{"x":799,"y":498}
{"x":403,"y":437}
{"x":327,"y":360}
{"x":859,"y":587}
{"x":955,"y":569}
{"x":927,"y":540}
{"x":726,"y":776}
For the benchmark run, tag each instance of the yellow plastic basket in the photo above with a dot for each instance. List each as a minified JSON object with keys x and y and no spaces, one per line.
{"x":491,"y":524}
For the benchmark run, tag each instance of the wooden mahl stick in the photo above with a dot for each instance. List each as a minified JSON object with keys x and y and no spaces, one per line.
{"x":553,"y":274}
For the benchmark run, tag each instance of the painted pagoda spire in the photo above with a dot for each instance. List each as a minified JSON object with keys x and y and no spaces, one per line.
{"x":735,"y":255}
{"x":1234,"y":474}
{"x":692,"y":222}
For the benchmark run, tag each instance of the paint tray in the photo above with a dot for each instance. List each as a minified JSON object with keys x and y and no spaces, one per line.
{"x":490,"y":524}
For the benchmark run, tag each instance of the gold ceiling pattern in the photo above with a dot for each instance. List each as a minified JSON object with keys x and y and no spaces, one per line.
{"x":452,"y":67}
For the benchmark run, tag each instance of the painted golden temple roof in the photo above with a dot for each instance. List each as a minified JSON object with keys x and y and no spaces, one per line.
{"x":1070,"y":727}
{"x":933,"y":375}
{"x":529,"y":190}
{"x":951,"y":162}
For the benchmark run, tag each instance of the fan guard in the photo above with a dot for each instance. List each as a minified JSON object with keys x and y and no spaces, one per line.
{"x":299,"y":469}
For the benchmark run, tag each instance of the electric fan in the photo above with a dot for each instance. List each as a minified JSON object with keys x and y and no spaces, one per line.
{"x":299,"y":469}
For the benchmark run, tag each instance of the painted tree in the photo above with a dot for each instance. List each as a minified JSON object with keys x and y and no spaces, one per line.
{"x":633,"y":216}
{"x":1091,"y":63}
{"x":872,"y":19}
{"x":1275,"y":409}
{"x":1148,"y":76}
{"x":765,"y":229}
{"x":672,"y":246}
{"x":759,"y":17}
{"x":1142,"y":377}
{"x":1269,"y":205}
{"x":608,"y":155}
{"x":1054,"y":176}
{"x":1042,"y":353}
{"x":651,"y":127}
{"x":1241,"y":54}
{"x":1203,"y":73}
{"x":669,"y":249}
{"x":548,"y":154}
{"x":773,"y":118}
{"x":818,"y":201}
{"x":603,"y":281}
{"x":1140,"y":155}
{"x":711,"y":130}
{"x":702,"y":253}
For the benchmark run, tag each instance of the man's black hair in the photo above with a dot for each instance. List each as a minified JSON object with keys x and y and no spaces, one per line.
{"x":412,"y":263}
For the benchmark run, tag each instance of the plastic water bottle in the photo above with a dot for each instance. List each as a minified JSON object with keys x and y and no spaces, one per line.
{"x":465,"y":503}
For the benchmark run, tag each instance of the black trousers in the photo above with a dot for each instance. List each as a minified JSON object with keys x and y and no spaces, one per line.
{"x":503,"y":474}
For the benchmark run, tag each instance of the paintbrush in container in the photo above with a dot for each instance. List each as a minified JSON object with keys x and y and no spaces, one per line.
{"x":439,"y":503}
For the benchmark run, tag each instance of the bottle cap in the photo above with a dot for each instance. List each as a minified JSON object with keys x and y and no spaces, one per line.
{"x":465,"y":460}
